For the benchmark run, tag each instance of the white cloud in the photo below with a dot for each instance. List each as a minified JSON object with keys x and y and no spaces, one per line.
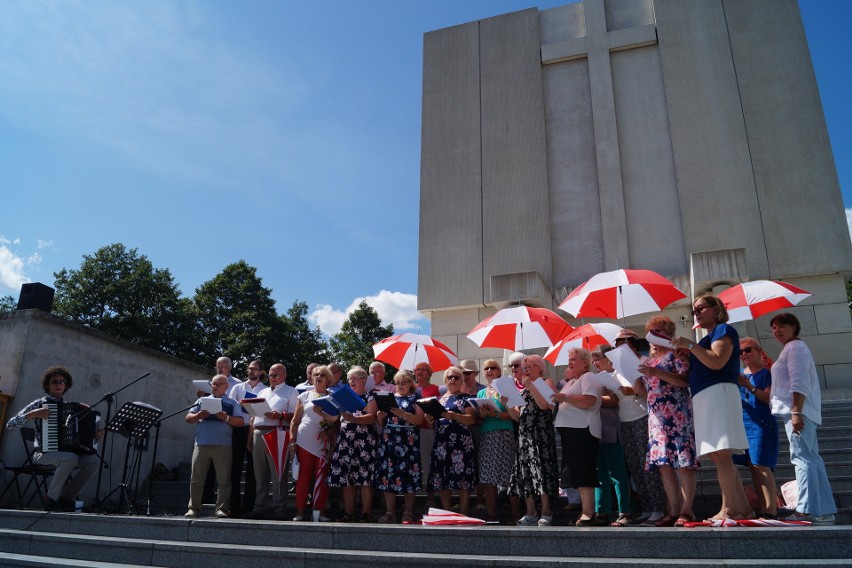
{"x":11,"y":269}
{"x":397,"y":308}
{"x":42,"y":244}
{"x":849,"y":219}
{"x":13,"y":265}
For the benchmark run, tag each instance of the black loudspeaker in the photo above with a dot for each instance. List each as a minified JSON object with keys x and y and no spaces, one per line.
{"x":36,"y":295}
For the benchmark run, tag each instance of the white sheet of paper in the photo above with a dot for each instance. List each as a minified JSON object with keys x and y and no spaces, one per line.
{"x":625,"y":362}
{"x":656,"y":340}
{"x":211,"y":405}
{"x":611,"y":382}
{"x":203,"y":386}
{"x":480,"y":403}
{"x":506,"y":387}
{"x":258,"y":408}
{"x":544,"y":389}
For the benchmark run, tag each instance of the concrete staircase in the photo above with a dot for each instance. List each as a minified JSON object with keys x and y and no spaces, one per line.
{"x":835,"y":442}
{"x":29,"y":538}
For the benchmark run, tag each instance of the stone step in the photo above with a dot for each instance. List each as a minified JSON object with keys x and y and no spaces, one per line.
{"x":181,"y":542}
{"x":27,"y":561}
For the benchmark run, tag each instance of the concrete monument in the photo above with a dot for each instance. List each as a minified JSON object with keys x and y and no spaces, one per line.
{"x":683,"y":137}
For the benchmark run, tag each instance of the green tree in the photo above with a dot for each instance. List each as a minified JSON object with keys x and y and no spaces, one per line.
{"x":237,"y":317}
{"x":7,"y":304}
{"x":849,"y":295}
{"x":118,"y":291}
{"x":354,"y":344}
{"x":304,"y":344}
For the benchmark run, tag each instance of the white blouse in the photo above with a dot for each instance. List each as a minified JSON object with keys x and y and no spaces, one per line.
{"x":795,"y":371}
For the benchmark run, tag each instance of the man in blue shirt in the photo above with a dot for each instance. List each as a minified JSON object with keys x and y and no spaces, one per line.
{"x":213,"y":435}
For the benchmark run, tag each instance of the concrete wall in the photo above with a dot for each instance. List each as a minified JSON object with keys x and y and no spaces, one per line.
{"x":32,"y":340}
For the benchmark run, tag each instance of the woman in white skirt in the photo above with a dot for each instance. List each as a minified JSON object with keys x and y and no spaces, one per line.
{"x":719,"y":431}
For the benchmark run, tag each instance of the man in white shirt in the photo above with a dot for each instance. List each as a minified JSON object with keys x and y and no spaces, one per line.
{"x":283,"y":399}
{"x":376,"y":380}
{"x":244,"y":502}
{"x":308,"y":383}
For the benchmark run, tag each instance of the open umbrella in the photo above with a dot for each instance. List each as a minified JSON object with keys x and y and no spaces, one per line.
{"x":277,"y":441}
{"x":621,"y":293}
{"x":751,"y":300}
{"x":586,"y":336}
{"x":404,"y":351}
{"x":520,"y":328}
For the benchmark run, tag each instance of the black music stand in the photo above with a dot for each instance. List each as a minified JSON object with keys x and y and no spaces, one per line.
{"x":150,"y":498}
{"x":134,"y":419}
{"x":108,"y":398}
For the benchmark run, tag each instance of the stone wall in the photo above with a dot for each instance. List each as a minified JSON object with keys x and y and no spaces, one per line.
{"x":32,"y":340}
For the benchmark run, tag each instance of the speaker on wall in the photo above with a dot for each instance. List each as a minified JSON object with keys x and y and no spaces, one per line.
{"x":36,"y":295}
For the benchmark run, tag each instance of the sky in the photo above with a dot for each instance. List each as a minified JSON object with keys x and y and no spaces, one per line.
{"x":283,"y":133}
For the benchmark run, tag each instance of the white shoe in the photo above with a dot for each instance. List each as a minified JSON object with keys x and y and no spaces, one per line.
{"x":545,"y":521}
{"x":823,"y":520}
{"x":190,"y":514}
{"x":527,"y":521}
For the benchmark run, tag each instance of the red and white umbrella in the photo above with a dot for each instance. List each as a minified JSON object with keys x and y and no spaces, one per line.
{"x":520,"y":328}
{"x":404,"y":351}
{"x":277,"y":441}
{"x":437,"y":517}
{"x":621,"y":293}
{"x":586,"y":336}
{"x":751,"y":300}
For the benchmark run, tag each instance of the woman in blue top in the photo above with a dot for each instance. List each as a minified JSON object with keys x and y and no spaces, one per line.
{"x":713,"y":373}
{"x":761,"y":427}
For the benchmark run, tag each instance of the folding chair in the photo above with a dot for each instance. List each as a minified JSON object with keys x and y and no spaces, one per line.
{"x":37,"y":474}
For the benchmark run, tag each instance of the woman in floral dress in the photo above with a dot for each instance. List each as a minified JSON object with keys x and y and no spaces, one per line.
{"x":398,"y":471}
{"x":354,"y":461}
{"x":536,"y":471}
{"x":453,"y":465}
{"x":671,"y":434}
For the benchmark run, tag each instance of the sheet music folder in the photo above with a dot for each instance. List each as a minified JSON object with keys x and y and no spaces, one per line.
{"x":134,"y":419}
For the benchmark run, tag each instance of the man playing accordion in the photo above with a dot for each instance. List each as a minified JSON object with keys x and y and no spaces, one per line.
{"x":60,"y":496}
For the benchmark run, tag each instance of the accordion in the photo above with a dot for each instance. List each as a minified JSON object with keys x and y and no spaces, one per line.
{"x":70,"y":427}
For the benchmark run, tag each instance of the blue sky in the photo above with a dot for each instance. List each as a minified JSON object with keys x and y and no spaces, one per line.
{"x":286,"y":134}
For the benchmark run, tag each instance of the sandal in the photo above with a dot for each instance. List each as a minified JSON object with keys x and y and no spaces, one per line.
{"x":667,"y":521}
{"x":581,"y":522}
{"x":621,"y":521}
{"x":600,"y":521}
{"x":684,"y":519}
{"x":366,"y":518}
{"x":388,"y":518}
{"x":407,"y":518}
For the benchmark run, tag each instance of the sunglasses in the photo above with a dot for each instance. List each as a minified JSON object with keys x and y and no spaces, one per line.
{"x":454,"y":378}
{"x":746,"y":349}
{"x":466,"y":373}
{"x":698,"y":310}
{"x":492,"y":368}
{"x":62,"y":382}
{"x":515,"y":365}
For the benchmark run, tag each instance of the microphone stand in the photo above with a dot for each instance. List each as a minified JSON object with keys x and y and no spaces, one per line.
{"x":108,"y":398}
{"x":150,"y":499}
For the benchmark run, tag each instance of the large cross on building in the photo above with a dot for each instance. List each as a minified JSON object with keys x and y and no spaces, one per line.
{"x":596,"y":45}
